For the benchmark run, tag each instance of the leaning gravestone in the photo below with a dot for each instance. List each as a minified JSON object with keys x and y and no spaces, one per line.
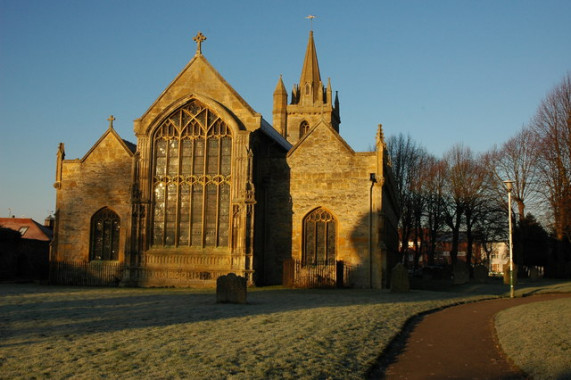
{"x":481,"y":273}
{"x":399,"y":279}
{"x":231,"y":289}
{"x":461,"y":273}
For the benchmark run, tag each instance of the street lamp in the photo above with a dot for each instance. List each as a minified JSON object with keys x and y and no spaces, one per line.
{"x":509,"y":187}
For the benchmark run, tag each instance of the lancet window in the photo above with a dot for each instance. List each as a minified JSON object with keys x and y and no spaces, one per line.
{"x":303,"y":128}
{"x":104,"y":235}
{"x":192,"y":152}
{"x":319,"y":238}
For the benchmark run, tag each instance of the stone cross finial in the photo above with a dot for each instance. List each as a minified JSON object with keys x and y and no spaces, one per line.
{"x":110,"y":120}
{"x":198,"y":39}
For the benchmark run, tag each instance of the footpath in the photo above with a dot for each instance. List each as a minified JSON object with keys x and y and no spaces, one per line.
{"x":455,"y":343}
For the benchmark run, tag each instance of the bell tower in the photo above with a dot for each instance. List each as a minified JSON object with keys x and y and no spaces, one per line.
{"x":311,"y":102}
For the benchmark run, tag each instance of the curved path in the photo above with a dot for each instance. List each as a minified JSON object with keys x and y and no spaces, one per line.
{"x":456,"y":343}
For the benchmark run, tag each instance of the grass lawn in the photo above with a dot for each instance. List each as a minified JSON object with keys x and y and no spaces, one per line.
{"x":537,"y":337}
{"x":63,"y":332}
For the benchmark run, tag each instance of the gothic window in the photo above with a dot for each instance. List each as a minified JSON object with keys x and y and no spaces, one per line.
{"x":192,"y":152}
{"x":303,"y":128}
{"x":104,"y":235}
{"x":319,"y":238}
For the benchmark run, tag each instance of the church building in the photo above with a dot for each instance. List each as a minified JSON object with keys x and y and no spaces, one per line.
{"x":212,"y":188}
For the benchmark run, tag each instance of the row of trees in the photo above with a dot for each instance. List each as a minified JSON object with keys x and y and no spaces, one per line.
{"x":464,"y":192}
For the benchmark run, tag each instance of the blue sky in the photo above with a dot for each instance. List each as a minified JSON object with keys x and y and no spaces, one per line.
{"x":445,"y":72}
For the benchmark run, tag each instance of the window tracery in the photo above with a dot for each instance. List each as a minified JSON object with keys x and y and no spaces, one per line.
{"x":319,"y":238}
{"x":104,"y":238}
{"x":192,"y":151}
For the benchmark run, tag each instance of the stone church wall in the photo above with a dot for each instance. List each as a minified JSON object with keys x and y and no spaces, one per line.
{"x":326,"y":173}
{"x":101,"y":179}
{"x":272,"y":212}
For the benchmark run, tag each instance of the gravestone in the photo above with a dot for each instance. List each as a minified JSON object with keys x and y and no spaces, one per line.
{"x":506,"y":269}
{"x":461,"y":273}
{"x":533,"y":274}
{"x":481,"y":273}
{"x":231,"y":289}
{"x":399,"y":279}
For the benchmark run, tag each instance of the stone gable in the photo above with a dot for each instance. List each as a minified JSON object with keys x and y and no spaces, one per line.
{"x":101,"y":179}
{"x":200,"y":79}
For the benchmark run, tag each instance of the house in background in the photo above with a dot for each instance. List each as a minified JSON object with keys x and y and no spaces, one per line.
{"x":24,"y":248}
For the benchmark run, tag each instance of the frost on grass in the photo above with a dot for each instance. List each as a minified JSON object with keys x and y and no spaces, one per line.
{"x":180,"y":333}
{"x":537,"y":337}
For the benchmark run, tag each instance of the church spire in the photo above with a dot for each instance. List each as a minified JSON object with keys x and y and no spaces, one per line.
{"x":310,"y":80}
{"x":311,"y":102}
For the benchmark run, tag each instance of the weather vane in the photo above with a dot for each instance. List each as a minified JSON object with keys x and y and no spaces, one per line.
{"x":310,"y":18}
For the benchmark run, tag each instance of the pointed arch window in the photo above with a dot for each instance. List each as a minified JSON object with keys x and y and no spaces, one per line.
{"x":192,"y":152}
{"x":104,"y":240}
{"x":303,"y":128}
{"x":319,"y":238}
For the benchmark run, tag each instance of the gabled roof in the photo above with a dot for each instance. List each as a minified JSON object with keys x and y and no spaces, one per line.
{"x":275,"y":135}
{"x":129,"y":147}
{"x":185,"y":83}
{"x":28,"y":228}
{"x":322,"y":124}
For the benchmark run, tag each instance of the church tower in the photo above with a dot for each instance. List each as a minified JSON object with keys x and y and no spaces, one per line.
{"x":311,"y":101}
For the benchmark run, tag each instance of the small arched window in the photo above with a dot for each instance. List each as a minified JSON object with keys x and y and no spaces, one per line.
{"x":319,"y":238}
{"x":104,"y":239}
{"x":303,"y":128}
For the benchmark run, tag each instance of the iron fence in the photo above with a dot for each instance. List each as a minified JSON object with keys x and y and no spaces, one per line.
{"x":321,"y":275}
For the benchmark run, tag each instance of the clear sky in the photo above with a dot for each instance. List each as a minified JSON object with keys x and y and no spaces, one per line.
{"x":444,"y":72}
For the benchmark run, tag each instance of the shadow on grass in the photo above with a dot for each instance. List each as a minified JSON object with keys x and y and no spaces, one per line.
{"x":28,"y":311}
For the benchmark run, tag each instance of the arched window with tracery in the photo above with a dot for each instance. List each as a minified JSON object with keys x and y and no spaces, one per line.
{"x":192,"y":153}
{"x":303,"y":128}
{"x":319,"y":238}
{"x":104,"y":235}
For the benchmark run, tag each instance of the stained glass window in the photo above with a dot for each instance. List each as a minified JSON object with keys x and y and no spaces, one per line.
{"x":104,"y":235}
{"x":319,"y":238}
{"x":192,"y":151}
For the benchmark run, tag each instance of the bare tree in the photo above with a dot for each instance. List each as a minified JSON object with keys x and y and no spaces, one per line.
{"x":457,"y":167}
{"x":476,"y":200}
{"x":552,"y":124}
{"x":434,"y":185}
{"x":516,"y":160}
{"x":419,"y":198}
{"x":406,"y":158}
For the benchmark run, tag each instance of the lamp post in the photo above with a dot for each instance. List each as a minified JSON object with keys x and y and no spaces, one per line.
{"x":373,"y":179}
{"x":509,"y":187}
